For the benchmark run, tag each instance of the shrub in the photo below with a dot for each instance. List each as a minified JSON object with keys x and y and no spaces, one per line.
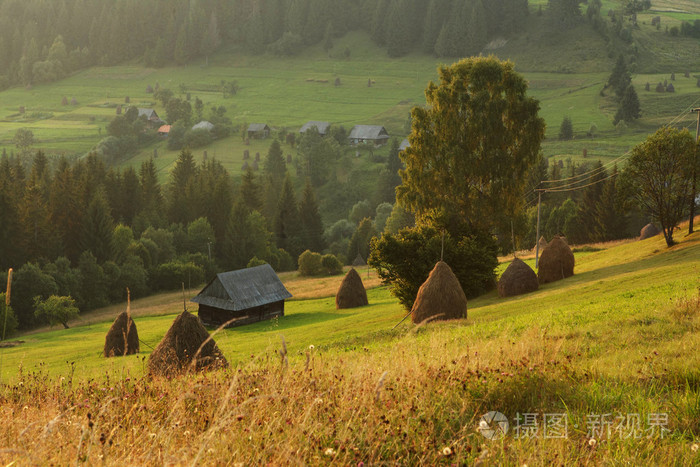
{"x":255,"y":261}
{"x":403,"y":261}
{"x":331,"y":264}
{"x":566,"y":130}
{"x":171,"y":276}
{"x":310,"y":264}
{"x":56,"y":310}
{"x":7,"y":318}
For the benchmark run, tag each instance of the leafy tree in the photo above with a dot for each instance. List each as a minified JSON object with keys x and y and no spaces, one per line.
{"x":471,"y":147}
{"x":400,"y":218}
{"x":56,"y":310}
{"x":361,"y":209}
{"x":566,"y":130}
{"x":310,"y":264}
{"x":383,"y":212}
{"x":360,"y":241}
{"x":660,"y":169}
{"x":28,"y":282}
{"x":565,"y":13}
{"x":389,"y":178}
{"x":23,"y":140}
{"x":246,"y":236}
{"x":200,"y":236}
{"x":404,"y":260}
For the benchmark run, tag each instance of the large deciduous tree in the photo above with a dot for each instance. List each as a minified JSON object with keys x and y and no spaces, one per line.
{"x":660,"y":169}
{"x":471,"y":147}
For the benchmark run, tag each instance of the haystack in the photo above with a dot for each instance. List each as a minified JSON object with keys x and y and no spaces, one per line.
{"x":122,"y":338}
{"x":517,"y":279}
{"x":542,"y":242}
{"x":179,"y":351}
{"x":556,"y":262}
{"x":648,"y":231}
{"x":352,"y":292}
{"x":440,"y":297}
{"x":359,"y":261}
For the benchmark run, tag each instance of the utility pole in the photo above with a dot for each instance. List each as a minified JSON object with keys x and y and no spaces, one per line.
{"x":695,"y":165}
{"x":537,"y":240}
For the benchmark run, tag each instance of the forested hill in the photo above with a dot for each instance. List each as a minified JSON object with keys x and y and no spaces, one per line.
{"x":44,"y":40}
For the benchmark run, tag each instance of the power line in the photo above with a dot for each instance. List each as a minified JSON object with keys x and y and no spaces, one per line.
{"x":558,"y":190}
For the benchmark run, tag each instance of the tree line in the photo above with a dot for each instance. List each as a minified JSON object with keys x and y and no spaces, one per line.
{"x":45,"y":40}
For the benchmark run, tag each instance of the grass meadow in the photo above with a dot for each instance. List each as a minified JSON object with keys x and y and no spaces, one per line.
{"x":566,"y":72}
{"x":610,"y":353}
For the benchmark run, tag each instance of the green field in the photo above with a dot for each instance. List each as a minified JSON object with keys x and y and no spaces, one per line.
{"x":620,"y":338}
{"x":566,"y":72}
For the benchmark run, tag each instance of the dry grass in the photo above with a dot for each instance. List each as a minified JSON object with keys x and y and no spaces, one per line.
{"x":303,"y":288}
{"x":405,"y":406}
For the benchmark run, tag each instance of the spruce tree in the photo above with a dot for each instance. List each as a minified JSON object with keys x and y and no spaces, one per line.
{"x":310,"y":219}
{"x":287,"y":220}
{"x":611,"y":220}
{"x":628,"y":109}
{"x":182,"y":202}
{"x":250,"y":191}
{"x":566,"y":130}
{"x":98,"y":227}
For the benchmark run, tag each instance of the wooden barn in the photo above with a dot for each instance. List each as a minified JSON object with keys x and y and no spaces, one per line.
{"x":242,"y":297}
{"x":258,"y":131}
{"x":374,"y":134}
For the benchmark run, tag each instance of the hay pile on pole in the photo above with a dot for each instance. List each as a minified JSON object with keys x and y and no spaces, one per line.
{"x":542,"y":242}
{"x":440,"y":297}
{"x":351,"y":292}
{"x":186,"y":346}
{"x":648,"y":231}
{"x":122,"y":338}
{"x":517,"y":279}
{"x":557,"y":262}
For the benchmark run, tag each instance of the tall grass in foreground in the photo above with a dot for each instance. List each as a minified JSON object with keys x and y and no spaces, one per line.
{"x":417,"y":402}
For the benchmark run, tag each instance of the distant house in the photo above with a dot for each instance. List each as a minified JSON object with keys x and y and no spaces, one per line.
{"x":242,"y":297}
{"x":203,"y":125}
{"x":404,"y":145}
{"x":151,"y":116}
{"x":164,"y":130}
{"x":369,"y":134}
{"x":321,"y":127}
{"x":258,"y":130}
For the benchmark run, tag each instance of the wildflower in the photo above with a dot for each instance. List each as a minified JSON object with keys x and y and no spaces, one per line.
{"x":330,"y":452}
{"x":483,"y":425}
{"x":318,"y":400}
{"x":446,"y":451}
{"x":311,"y":347}
{"x":592,"y":442}
{"x":694,"y":447}
{"x":25,"y":407}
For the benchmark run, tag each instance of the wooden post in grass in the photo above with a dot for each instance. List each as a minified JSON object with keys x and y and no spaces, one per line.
{"x":7,"y":300}
{"x":693,"y":191}
{"x":537,"y":240}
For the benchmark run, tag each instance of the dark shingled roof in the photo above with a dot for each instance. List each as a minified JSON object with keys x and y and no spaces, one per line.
{"x":243,"y":289}
{"x":258,"y":127}
{"x":371,"y":132}
{"x":322,"y":127}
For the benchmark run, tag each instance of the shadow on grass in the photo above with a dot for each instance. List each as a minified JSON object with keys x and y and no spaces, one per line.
{"x":288,"y":322}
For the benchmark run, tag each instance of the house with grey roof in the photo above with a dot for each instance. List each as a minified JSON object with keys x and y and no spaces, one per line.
{"x":203,"y":125}
{"x":241,"y":297}
{"x":258,"y":130}
{"x":374,"y":134}
{"x":321,"y":127}
{"x":150,"y":115}
{"x":404,"y":145}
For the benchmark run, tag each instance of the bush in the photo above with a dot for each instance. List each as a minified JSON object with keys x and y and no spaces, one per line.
{"x":255,"y":261}
{"x":197,"y":138}
{"x":171,"y":276}
{"x":403,"y":261}
{"x":566,"y":130}
{"x":310,"y":264}
{"x":7,"y":319}
{"x":56,"y":310}
{"x":331,"y":265}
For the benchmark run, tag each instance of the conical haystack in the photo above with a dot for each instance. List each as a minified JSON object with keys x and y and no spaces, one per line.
{"x":542,"y":243}
{"x":556,"y":262}
{"x":359,"y":261}
{"x":352,"y":292}
{"x":440,"y":297}
{"x":648,"y":231}
{"x":180,"y":346}
{"x":122,"y":338}
{"x":517,"y":279}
